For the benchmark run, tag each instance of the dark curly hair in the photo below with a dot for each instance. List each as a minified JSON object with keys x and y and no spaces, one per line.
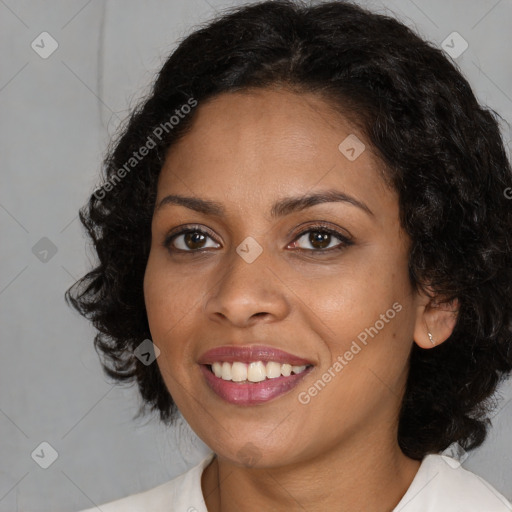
{"x":442,"y":152}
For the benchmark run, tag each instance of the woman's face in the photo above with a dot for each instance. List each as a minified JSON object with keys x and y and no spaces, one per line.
{"x":264,"y":276}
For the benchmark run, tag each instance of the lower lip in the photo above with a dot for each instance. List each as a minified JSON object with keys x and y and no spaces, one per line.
{"x":252,"y":393}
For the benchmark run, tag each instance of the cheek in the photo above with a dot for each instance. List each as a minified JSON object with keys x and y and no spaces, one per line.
{"x":166,"y":297}
{"x":168,"y":305}
{"x":366,"y":322}
{"x":355,"y":293}
{"x":173,"y":301}
{"x":364,"y":313}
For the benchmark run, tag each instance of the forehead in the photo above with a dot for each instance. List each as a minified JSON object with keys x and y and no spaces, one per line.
{"x":253,"y":146}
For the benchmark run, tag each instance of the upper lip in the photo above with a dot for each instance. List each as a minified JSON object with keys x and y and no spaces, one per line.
{"x":250,"y":354}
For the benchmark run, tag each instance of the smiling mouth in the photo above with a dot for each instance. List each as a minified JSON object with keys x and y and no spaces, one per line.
{"x":253,"y":387}
{"x":254,"y":372}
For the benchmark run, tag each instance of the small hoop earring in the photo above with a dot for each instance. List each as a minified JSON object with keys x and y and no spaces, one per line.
{"x":431,"y":339}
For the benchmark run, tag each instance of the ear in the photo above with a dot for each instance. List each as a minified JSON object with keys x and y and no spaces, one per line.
{"x":435,"y":317}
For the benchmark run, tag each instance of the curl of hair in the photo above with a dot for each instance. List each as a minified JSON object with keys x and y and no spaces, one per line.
{"x":442,"y":153}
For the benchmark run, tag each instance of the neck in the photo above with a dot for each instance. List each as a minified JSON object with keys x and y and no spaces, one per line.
{"x":372,"y":476}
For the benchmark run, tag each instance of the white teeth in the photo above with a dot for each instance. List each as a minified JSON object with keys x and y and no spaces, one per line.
{"x":217,"y":369}
{"x":286,"y":370}
{"x":256,"y":372}
{"x":253,"y":372}
{"x":273,"y":370}
{"x":226,"y":371}
{"x":238,"y":372}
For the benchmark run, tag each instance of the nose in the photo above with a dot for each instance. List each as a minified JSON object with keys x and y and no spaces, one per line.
{"x":247,"y":293}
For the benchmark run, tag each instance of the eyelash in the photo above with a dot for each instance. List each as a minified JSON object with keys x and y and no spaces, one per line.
{"x":321,"y":228}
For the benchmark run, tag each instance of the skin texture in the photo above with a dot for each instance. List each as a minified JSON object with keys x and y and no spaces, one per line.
{"x":338,"y":452}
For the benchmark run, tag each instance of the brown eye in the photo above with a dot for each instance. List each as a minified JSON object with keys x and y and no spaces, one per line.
{"x":189,"y":240}
{"x":320,"y":239}
{"x":194,"y":240}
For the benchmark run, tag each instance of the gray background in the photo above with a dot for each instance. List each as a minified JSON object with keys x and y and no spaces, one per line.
{"x":57,"y":115}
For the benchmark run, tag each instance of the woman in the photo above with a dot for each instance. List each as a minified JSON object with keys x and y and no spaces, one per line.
{"x":308,"y":218}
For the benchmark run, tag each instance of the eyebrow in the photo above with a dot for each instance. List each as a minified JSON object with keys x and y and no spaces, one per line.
{"x":280,"y":208}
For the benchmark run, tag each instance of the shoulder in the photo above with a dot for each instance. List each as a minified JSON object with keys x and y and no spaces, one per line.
{"x":181,"y":493}
{"x":443,"y":485}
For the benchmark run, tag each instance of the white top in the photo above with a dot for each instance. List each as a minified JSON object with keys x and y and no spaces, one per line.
{"x":440,"y":485}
